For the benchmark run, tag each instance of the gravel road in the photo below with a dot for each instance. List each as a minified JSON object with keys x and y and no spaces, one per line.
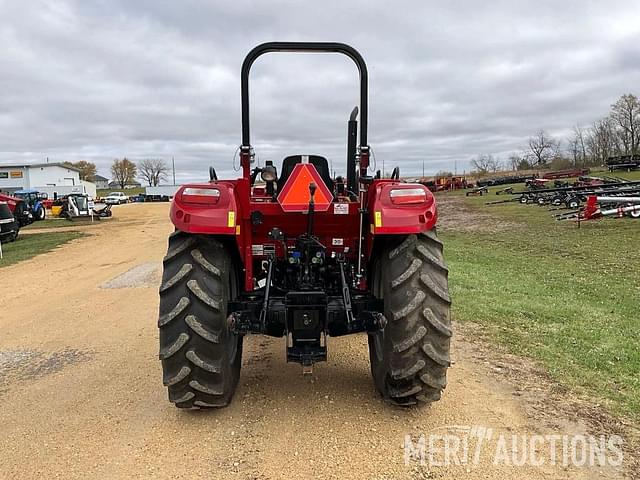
{"x":81,"y":393}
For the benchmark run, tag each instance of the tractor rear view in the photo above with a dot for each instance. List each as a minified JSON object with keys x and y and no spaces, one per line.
{"x":304,"y":256}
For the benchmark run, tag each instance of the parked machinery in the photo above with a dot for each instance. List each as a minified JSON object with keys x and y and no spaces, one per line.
{"x":605,"y":196}
{"x":74,"y":206}
{"x":9,"y":226}
{"x":304,"y":256}
{"x":19,"y":209}
{"x":34,"y":201}
{"x":623,"y":162}
{"x":604,"y":206}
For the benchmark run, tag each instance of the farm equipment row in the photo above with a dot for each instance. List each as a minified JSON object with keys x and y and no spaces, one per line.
{"x":605,"y":206}
{"x":504,"y":180}
{"x":574,"y":197}
{"x":534,"y":181}
{"x":586,"y":199}
{"x":623,"y":162}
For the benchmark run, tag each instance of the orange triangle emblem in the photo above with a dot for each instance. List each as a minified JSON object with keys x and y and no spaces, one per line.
{"x":295,"y":195}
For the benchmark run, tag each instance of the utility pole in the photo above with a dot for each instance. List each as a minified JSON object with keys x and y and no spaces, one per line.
{"x":383,"y":175}
{"x":173,"y":164}
{"x":423,"y":168}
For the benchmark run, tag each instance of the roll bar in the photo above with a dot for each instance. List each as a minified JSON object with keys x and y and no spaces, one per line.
{"x":330,"y":47}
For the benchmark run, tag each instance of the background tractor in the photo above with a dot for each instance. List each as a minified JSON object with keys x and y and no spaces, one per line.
{"x":34,"y":201}
{"x":304,"y":256}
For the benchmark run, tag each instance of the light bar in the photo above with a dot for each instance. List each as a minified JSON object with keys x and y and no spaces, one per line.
{"x":200,"y":195}
{"x":408,"y":196}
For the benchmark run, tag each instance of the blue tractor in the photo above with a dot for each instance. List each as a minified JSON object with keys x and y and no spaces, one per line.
{"x":34,"y":201}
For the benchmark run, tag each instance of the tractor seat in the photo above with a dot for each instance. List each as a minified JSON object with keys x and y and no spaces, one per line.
{"x":321,"y":164}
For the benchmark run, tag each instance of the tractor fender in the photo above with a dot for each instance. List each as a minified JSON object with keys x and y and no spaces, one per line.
{"x":206,"y":214}
{"x":417,"y":213}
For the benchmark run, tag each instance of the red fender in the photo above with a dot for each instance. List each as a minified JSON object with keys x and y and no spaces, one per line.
{"x":398,"y":218}
{"x":214,"y":216}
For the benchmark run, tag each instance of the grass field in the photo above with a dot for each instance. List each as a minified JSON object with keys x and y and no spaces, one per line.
{"x":28,"y":246}
{"x":49,"y":223}
{"x":63,"y":222}
{"x":565,"y":296}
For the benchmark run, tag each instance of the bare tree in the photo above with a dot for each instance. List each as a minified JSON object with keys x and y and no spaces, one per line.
{"x":486,"y":163}
{"x":153,"y":171}
{"x":123,"y":171}
{"x":601,"y":141}
{"x":625,"y":114}
{"x":514,"y":161}
{"x":577,"y":145}
{"x":574,"y":149}
{"x":543,"y":147}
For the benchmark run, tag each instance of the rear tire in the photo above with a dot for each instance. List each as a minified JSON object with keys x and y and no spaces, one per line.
{"x":410,"y":357}
{"x":200,"y":357}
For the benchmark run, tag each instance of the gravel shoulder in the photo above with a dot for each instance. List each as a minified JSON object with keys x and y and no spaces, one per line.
{"x":102,"y":412}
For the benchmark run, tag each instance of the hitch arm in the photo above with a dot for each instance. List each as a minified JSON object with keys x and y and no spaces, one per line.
{"x":267,"y":291}
{"x":346,"y":296}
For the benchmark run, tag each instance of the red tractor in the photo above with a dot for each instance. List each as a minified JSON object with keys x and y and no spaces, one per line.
{"x":304,"y":256}
{"x":19,"y":209}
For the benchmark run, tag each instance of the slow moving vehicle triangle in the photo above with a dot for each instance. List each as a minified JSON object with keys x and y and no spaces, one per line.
{"x":295,"y":194}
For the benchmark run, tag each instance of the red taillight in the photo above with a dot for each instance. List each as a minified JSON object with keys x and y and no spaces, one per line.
{"x":201,"y":195}
{"x":408,"y":196}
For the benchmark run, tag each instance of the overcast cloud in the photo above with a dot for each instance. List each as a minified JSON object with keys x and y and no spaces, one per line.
{"x":448,"y":80}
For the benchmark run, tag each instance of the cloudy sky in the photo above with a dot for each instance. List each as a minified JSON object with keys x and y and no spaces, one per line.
{"x":448,"y":80}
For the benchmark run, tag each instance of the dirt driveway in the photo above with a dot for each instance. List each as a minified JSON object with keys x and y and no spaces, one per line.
{"x":81,"y":393}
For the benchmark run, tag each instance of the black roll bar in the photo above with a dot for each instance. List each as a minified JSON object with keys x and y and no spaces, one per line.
{"x":330,"y":47}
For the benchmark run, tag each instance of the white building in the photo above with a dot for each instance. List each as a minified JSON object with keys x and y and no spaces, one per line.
{"x":101,"y":182}
{"x":18,"y":177}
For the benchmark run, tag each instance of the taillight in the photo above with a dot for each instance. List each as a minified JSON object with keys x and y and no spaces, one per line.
{"x":408,"y":196}
{"x":208,"y":196}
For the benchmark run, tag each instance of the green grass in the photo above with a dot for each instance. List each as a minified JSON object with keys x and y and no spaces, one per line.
{"x":635,"y":175}
{"x":63,"y":222}
{"x":49,"y":223}
{"x":566,"y":297}
{"x":28,"y":246}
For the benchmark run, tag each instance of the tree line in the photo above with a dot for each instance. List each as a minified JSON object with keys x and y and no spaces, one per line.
{"x":618,"y":133}
{"x":124,"y":171}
